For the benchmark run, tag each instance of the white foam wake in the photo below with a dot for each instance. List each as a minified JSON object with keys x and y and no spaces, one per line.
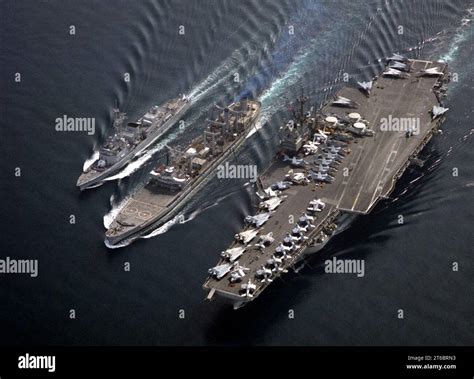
{"x":462,"y":33}
{"x":113,"y":213}
{"x":118,"y":245}
{"x":180,"y":218}
{"x":261,"y":120}
{"x":221,"y":73}
{"x":135,"y":164}
{"x":110,"y":217}
{"x":165,"y":227}
{"x":89,"y":162}
{"x":273,"y":98}
{"x":141,"y":158}
{"x":214,"y":79}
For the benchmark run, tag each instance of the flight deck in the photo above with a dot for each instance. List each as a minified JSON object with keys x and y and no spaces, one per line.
{"x":364,"y":174}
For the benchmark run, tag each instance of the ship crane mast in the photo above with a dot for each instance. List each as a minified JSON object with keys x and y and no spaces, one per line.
{"x":118,"y":117}
{"x":208,"y":135}
{"x":171,"y":154}
{"x":301,"y":100}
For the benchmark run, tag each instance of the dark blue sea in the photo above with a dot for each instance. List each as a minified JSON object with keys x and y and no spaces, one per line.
{"x":408,"y":266}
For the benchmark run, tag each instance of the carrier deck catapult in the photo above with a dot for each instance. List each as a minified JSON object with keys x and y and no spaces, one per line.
{"x":331,"y":167}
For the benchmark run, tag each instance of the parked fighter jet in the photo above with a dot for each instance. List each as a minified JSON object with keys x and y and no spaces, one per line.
{"x":305,"y":222}
{"x":366,"y":87}
{"x":275,"y":264}
{"x":267,"y":193}
{"x":248,"y":289}
{"x":310,"y":148}
{"x":297,"y":233}
{"x":438,"y":111}
{"x":271,"y":204}
{"x":281,"y":185}
{"x":238,"y":272}
{"x":308,"y":217}
{"x":318,"y":177}
{"x":247,"y":236}
{"x":324,"y":169}
{"x":287,"y":243}
{"x":326,"y":161}
{"x":333,"y":156}
{"x":234,"y":253}
{"x":220,"y":271}
{"x":295,"y":162}
{"x":433,"y":71}
{"x":316,"y":205}
{"x":264,"y":275}
{"x":341,"y":101}
{"x":397,"y":58}
{"x":399,"y":66}
{"x":265,"y":240}
{"x":297,"y":177}
{"x":334,"y":150}
{"x":259,"y":219}
{"x":319,"y":137}
{"x":395,"y":73}
{"x":281,"y":252}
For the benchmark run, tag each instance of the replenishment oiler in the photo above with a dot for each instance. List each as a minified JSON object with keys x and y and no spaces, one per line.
{"x":129,"y":140}
{"x":333,"y":165}
{"x":171,"y":185}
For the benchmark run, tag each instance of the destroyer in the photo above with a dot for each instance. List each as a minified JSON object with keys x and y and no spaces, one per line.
{"x":332,"y":166}
{"x":127,"y":141}
{"x":171,"y":185}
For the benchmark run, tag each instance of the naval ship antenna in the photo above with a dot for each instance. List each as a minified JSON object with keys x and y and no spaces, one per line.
{"x":302,"y":101}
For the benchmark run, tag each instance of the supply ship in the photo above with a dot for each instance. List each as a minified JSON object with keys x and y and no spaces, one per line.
{"x":129,"y":140}
{"x":333,"y":165}
{"x":171,"y":185}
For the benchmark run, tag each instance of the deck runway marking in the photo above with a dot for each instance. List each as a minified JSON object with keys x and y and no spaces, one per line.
{"x":382,"y":181}
{"x":141,"y":202}
{"x":146,"y":204}
{"x":144,"y":215}
{"x":398,"y":101}
{"x":367,"y":175}
{"x":355,"y":161}
{"x":130,"y":210}
{"x":360,"y":151}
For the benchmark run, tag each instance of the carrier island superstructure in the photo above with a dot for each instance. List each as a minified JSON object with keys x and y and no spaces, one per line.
{"x":333,"y":165}
{"x":170,"y":186}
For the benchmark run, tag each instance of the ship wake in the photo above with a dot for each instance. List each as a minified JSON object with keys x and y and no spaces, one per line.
{"x":183,"y":219}
{"x":90,"y":161}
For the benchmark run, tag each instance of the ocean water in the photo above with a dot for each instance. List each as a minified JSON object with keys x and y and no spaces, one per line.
{"x":407,"y":266}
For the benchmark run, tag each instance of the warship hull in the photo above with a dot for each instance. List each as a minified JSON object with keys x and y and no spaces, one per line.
{"x":150,"y":207}
{"x":365,"y":175}
{"x":93,"y":179}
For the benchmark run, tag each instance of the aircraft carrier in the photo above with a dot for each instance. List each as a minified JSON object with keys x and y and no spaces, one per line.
{"x":333,"y":164}
{"x":170,"y":185}
{"x":128,"y":141}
